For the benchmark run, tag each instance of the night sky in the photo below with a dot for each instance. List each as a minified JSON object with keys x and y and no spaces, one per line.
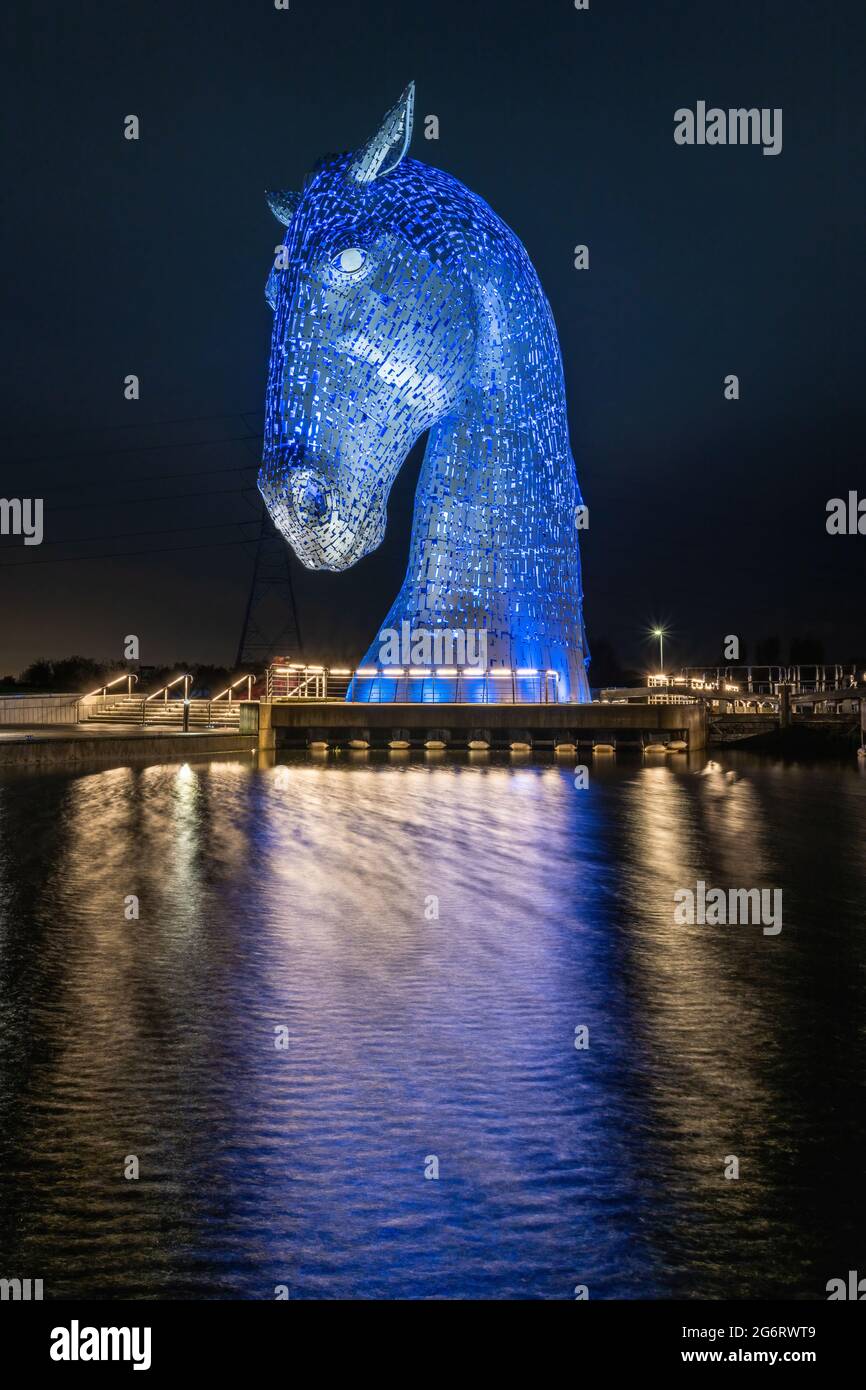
{"x":151,"y":258}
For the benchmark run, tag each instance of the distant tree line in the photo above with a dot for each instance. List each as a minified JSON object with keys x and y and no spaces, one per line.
{"x":76,"y":675}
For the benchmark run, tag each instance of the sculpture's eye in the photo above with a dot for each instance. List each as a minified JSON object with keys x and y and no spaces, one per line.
{"x":351,"y":261}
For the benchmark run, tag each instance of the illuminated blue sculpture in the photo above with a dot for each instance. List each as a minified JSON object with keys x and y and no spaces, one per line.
{"x":402,"y":303}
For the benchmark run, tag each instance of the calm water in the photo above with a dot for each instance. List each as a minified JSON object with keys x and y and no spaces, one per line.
{"x":301,"y":898}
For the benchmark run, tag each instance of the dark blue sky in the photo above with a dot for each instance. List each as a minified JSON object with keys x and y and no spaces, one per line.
{"x":151,"y":257}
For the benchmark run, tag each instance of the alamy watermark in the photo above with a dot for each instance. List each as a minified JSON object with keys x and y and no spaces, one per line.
{"x":77,"y":1343}
{"x":846,"y":516}
{"x":423,"y":646}
{"x":22,"y":516}
{"x":736,"y":126}
{"x":719,"y":907}
{"x":854,"y":1288}
{"x":20,"y":1290}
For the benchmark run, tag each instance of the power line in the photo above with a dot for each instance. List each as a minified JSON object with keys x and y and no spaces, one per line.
{"x":154,"y":497}
{"x":152,"y":477}
{"x":152,"y":531}
{"x":137,"y":425}
{"x":136,"y":449}
{"x":123,"y":554}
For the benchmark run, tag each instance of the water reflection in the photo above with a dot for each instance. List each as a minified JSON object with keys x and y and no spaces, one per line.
{"x":430,"y":932}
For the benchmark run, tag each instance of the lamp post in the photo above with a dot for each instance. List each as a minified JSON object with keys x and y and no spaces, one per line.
{"x":659,"y":632}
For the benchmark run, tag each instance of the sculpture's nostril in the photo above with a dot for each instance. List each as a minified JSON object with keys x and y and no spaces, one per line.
{"x":314,"y":500}
{"x":311,"y":500}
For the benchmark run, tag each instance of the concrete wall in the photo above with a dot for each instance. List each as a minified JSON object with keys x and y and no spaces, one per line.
{"x":294,"y":721}
{"x":249,"y":717}
{"x":119,"y":749}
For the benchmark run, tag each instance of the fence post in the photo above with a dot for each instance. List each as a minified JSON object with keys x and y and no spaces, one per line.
{"x":784,"y":706}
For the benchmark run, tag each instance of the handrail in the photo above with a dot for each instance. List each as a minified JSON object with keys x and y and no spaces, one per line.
{"x":163,"y":690}
{"x":499,"y":685}
{"x":128,"y":676}
{"x":228,"y":690}
{"x":318,"y":678}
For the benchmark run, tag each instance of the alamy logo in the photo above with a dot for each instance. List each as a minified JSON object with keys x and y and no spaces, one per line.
{"x":20,"y":1290}
{"x":719,"y":907}
{"x":440,"y":647}
{"x":846,"y":518}
{"x":737,"y":126}
{"x":76,"y":1343}
{"x":22,"y":516}
{"x":854,"y":1290}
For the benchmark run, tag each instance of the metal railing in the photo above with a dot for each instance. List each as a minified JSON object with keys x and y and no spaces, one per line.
{"x":181,"y":713}
{"x":39,"y":709}
{"x":229,"y":688}
{"x":408,"y":685}
{"x":182,"y":710}
{"x":800,"y":677}
{"x":448,"y":686}
{"x":295,"y":682}
{"x":129,"y":676}
{"x":186,"y":678}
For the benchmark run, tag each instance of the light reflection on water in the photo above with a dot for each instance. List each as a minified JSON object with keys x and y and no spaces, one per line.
{"x":303,"y":899}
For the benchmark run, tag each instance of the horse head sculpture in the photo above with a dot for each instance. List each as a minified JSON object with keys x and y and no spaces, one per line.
{"x":403,"y":304}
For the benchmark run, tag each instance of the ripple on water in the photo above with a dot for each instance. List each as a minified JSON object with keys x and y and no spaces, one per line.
{"x":430,"y":936}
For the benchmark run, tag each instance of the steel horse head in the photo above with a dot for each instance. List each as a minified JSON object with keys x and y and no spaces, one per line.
{"x":403,"y":304}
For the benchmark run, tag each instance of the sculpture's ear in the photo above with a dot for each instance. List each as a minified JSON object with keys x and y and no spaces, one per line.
{"x":390,"y":143}
{"x":283,"y":205}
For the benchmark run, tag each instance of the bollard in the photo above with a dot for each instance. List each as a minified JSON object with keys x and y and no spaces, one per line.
{"x":784,"y":706}
{"x":267,"y":732}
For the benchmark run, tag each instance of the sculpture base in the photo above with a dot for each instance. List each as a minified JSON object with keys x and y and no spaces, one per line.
{"x":302,"y":723}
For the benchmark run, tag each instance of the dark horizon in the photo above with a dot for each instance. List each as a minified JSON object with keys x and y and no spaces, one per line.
{"x":150,"y":257}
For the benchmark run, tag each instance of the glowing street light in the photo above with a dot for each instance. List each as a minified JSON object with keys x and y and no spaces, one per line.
{"x":660,"y":633}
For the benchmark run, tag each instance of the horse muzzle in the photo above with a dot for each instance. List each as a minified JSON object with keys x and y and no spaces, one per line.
{"x":307,"y":510}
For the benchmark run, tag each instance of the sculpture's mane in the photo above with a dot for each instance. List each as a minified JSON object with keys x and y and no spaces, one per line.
{"x":444,"y":220}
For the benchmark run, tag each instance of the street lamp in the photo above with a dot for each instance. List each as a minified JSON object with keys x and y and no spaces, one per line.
{"x":660,"y":633}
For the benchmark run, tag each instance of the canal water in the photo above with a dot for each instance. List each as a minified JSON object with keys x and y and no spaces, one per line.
{"x":349,"y":974}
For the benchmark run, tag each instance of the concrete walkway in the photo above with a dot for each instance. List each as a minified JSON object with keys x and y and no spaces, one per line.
{"x":19,"y":733}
